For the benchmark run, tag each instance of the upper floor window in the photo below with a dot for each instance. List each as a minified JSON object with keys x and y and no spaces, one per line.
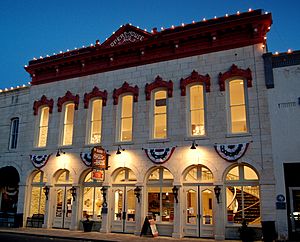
{"x":14,"y":131}
{"x":67,"y":136}
{"x":237,"y":113}
{"x":126,"y":118}
{"x":95,"y":122}
{"x":196,"y":111}
{"x":160,"y":115}
{"x":43,"y":127}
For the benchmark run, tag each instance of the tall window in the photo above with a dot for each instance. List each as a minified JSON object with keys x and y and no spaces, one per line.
{"x":237,"y":107}
{"x":126,"y":118}
{"x":96,"y":122}
{"x":38,"y":198}
{"x":160,"y":115}
{"x":43,"y":127}
{"x":68,"y":124}
{"x":14,"y":131}
{"x":242,"y":195}
{"x":196,"y":117}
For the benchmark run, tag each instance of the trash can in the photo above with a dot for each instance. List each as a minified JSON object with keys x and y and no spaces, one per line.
{"x":268,"y":230}
{"x":18,"y":220}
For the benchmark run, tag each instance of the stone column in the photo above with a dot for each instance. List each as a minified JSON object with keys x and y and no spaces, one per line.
{"x":219,"y":215}
{"x":177,"y":223}
{"x":138,"y":211}
{"x":105,"y":228}
{"x":74,"y":218}
{"x":48,"y":210}
{"x":20,"y":205}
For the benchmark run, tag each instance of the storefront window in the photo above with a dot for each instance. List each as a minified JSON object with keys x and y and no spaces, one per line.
{"x":65,"y":177}
{"x":199,"y":173}
{"x":38,"y":198}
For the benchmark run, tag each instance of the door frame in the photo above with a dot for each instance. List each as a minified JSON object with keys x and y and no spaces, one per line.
{"x":291,"y":203}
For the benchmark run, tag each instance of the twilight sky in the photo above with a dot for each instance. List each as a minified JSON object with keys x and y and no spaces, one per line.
{"x":34,"y":28}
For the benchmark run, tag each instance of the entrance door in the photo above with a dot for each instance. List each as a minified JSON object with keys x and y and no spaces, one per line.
{"x":198,"y":213}
{"x":295,"y":208}
{"x":123,"y":210}
{"x":63,"y":208}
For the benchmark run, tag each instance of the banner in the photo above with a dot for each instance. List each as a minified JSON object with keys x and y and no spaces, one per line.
{"x":231,"y":152}
{"x":99,"y":163}
{"x":159,"y":155}
{"x":86,"y":158}
{"x":39,"y":160}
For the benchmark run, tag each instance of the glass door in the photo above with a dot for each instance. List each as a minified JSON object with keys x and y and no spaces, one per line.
{"x":124,"y":206}
{"x":295,"y":208}
{"x":198,"y":211}
{"x":63,"y":208}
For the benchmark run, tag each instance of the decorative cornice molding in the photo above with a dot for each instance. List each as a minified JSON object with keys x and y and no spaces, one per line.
{"x":234,"y":71}
{"x":124,"y":89}
{"x":95,"y":93}
{"x":194,"y":78}
{"x":159,"y":82}
{"x":42,"y":102}
{"x":68,"y":97}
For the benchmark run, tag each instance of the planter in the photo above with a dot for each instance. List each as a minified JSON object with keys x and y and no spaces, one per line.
{"x":87,"y":225}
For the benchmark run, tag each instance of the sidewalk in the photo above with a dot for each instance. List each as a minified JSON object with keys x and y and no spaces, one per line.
{"x":95,"y":236}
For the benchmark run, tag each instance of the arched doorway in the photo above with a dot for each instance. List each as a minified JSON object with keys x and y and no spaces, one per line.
{"x":9,"y":189}
{"x":124,"y":201}
{"x":198,"y":192}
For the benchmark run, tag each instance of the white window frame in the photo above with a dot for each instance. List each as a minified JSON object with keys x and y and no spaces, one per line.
{"x":62,"y":127}
{"x":38,"y":125}
{"x":13,"y":136}
{"x":90,"y":121}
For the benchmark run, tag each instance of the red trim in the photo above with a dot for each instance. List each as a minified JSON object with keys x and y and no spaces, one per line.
{"x":66,"y":98}
{"x":159,"y":82}
{"x":95,"y":93}
{"x":234,"y":71}
{"x":42,"y":102}
{"x":193,"y":39}
{"x":194,"y":78}
{"x":124,"y":89}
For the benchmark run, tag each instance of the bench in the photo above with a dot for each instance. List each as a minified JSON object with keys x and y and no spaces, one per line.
{"x":36,"y":221}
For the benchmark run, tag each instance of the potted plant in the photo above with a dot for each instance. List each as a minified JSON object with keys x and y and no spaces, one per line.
{"x":87,"y":224}
{"x":246,"y":234}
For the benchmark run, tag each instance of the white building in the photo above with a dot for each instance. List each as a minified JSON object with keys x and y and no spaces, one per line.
{"x":152,"y":97}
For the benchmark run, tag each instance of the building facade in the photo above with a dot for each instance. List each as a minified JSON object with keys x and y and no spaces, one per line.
{"x":182,"y":115}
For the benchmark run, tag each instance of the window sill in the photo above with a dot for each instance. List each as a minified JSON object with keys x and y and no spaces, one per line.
{"x":124,"y":143}
{"x":238,"y":135}
{"x":67,"y":147}
{"x":39,"y":149}
{"x":158,"y":140}
{"x":192,"y":138}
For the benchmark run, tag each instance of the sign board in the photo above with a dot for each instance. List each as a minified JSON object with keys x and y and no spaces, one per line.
{"x":98,"y":175}
{"x":149,"y":227}
{"x":99,"y":158}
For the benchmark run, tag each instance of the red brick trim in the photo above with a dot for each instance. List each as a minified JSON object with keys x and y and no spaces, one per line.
{"x":95,"y":93}
{"x":68,"y":97}
{"x":194,"y":78}
{"x":124,"y":89}
{"x":159,"y":82}
{"x":42,"y":102}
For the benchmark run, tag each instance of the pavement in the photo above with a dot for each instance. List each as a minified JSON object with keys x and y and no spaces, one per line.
{"x":96,"y":236}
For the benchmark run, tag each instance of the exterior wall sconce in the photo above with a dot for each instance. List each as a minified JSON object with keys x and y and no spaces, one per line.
{"x":59,"y":151}
{"x":194,"y":145}
{"x":46,"y":190}
{"x":137,"y":193}
{"x":217,"y":190}
{"x":73,"y":192}
{"x":119,"y":150}
{"x":175,"y":193}
{"x":104,"y":193}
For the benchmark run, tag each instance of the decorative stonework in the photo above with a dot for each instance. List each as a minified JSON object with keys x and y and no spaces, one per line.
{"x":194,"y":78}
{"x":42,"y":102}
{"x":234,"y":71}
{"x":124,"y":89}
{"x":95,"y":93}
{"x":69,"y":97}
{"x":158,"y":83}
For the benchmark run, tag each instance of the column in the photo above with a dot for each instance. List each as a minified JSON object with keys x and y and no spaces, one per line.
{"x":74,"y":218}
{"x":138,"y":210}
{"x":177,"y":223}
{"x":105,"y":228}
{"x":48,"y":210}
{"x":219,"y":214}
{"x":20,"y":206}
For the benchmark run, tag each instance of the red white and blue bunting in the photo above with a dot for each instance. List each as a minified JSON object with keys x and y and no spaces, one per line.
{"x":231,"y":152}
{"x":159,"y":155}
{"x":39,"y":160}
{"x":86,"y":158}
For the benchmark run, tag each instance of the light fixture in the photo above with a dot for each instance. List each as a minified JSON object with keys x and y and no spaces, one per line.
{"x":46,"y":190}
{"x":59,"y":151}
{"x":137,"y":193}
{"x":175,"y":193}
{"x":194,"y":145}
{"x":119,"y":150}
{"x":73,"y":192}
{"x":217,"y":190}
{"x":104,"y":193}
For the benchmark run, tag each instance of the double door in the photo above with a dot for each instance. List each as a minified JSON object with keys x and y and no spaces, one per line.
{"x":198,"y":212}
{"x":295,"y":208}
{"x":124,"y":209}
{"x":63,"y":207}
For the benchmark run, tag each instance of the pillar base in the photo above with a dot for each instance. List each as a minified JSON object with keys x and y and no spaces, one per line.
{"x":177,"y":235}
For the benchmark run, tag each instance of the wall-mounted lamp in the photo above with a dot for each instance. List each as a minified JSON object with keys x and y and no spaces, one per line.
{"x":175,"y":193}
{"x":73,"y":192}
{"x":46,"y":190}
{"x":137,"y":193}
{"x":104,"y":193}
{"x":59,"y":151}
{"x":217,"y":190}
{"x":119,"y":150}
{"x":194,"y":145}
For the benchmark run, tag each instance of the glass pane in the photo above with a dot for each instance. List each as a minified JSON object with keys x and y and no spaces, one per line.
{"x":64,"y":177}
{"x":68,"y":134}
{"x":44,"y":116}
{"x":97,"y":110}
{"x":68,"y":124}
{"x":206,"y":174}
{"x":191,"y":176}
{"x":154,"y":202}
{"x":131,"y":176}
{"x":251,"y":204}
{"x":42,"y":142}
{"x":196,"y":97}
{"x":233,"y":204}
{"x":69,"y":113}
{"x":95,"y":132}
{"x":191,"y":207}
{"x":88,"y":177}
{"x":236,"y":89}
{"x":238,"y":119}
{"x":167,"y":175}
{"x":87,"y":205}
{"x":118,"y":207}
{"x":233,"y":174}
{"x":249,"y":174}
{"x":154,"y":175}
{"x":130,"y":200}
{"x":126,"y":129}
{"x":295,"y":213}
{"x":197,"y":122}
{"x":127,"y":106}
{"x":37,"y":177}
{"x":98,"y":203}
{"x":207,"y":207}
{"x":35,"y":200}
{"x":59,"y":203}
{"x":167,"y":204}
{"x":160,"y":126}
{"x":69,"y":202}
{"x":121,"y":176}
{"x":160,"y":102}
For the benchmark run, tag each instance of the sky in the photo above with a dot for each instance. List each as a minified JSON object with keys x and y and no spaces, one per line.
{"x":34,"y":28}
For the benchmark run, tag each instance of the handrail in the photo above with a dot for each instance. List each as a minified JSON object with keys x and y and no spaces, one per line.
{"x":247,"y":207}
{"x":234,"y":195}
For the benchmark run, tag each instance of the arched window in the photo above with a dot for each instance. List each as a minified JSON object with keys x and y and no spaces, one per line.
{"x":68,"y":124}
{"x":64,"y":177}
{"x":38,"y":198}
{"x":198,"y":174}
{"x":125,"y":175}
{"x":242,"y":195}
{"x":160,"y":195}
{"x":95,"y":125}
{"x":43,"y":127}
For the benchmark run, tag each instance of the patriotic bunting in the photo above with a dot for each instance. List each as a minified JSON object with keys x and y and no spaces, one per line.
{"x":159,"y":155}
{"x":231,"y":152}
{"x":39,"y":160}
{"x":86,"y":158}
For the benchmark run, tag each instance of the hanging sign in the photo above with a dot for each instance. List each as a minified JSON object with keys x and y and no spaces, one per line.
{"x":231,"y":152}
{"x":159,"y":155}
{"x":99,"y":158}
{"x":39,"y":160}
{"x":98,"y":175}
{"x":86,"y":158}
